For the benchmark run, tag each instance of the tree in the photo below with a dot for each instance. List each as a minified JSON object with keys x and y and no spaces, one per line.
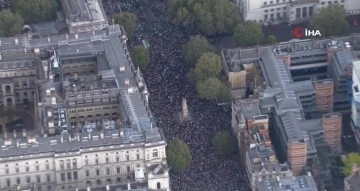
{"x":224,"y":143}
{"x":195,"y":47}
{"x":128,"y":21}
{"x":271,"y":39}
{"x":352,"y":159}
{"x":209,"y":16}
{"x":10,"y":23}
{"x":178,"y":155}
{"x":211,"y":89}
{"x":330,"y":21}
{"x":36,"y":10}
{"x":248,"y":34}
{"x":207,"y":66}
{"x":140,"y":56}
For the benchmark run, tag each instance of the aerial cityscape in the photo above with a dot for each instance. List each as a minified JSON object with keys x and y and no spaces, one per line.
{"x":179,"y":95}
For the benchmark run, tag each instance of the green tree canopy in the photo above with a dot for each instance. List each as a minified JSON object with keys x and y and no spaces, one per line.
{"x":352,"y":159}
{"x":207,"y":66}
{"x":195,"y":47}
{"x":271,"y":39}
{"x":10,"y":23}
{"x":178,"y":155}
{"x":211,"y":89}
{"x":330,"y":21}
{"x":209,"y":16}
{"x":140,"y":56}
{"x":128,"y":21}
{"x":224,"y":143}
{"x":35,"y":11}
{"x":248,"y":34}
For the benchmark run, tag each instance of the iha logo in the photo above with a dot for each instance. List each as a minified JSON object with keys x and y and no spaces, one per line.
{"x":300,"y":32}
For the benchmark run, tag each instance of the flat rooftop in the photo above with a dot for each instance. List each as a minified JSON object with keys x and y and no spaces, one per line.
{"x":80,"y":12}
{"x":300,"y":183}
{"x":89,"y":82}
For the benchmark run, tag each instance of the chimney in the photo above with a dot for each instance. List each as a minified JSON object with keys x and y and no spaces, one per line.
{"x":61,"y":138}
{"x":14,"y":134}
{"x":102,"y":134}
{"x":24,"y":133}
{"x":76,"y":36}
{"x":5,"y":134}
{"x":78,"y":136}
{"x":16,"y":41}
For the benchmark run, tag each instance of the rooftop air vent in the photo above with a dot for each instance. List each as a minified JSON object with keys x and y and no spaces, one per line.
{"x":127,"y":82}
{"x":122,"y":68}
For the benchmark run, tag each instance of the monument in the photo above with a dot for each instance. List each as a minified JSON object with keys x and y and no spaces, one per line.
{"x":184,"y":115}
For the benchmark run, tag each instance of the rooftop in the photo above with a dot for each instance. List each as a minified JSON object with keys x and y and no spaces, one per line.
{"x":300,"y":183}
{"x":79,"y":12}
{"x":353,"y":182}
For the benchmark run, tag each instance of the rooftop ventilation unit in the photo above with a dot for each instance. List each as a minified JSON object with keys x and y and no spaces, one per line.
{"x":127,"y":82}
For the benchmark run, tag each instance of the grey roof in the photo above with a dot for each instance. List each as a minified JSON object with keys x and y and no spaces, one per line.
{"x":78,"y":11}
{"x":109,"y":43}
{"x":53,"y":144}
{"x":299,"y":183}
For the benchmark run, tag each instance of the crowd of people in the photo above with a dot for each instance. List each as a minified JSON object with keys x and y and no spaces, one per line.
{"x":167,"y":84}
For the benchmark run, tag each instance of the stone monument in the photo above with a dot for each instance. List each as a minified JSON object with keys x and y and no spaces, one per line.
{"x":184,"y":115}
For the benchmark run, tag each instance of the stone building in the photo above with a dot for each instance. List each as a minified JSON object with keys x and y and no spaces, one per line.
{"x":84,"y":15}
{"x":97,"y":130}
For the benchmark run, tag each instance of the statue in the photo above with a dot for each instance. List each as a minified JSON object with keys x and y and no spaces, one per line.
{"x":184,"y":115}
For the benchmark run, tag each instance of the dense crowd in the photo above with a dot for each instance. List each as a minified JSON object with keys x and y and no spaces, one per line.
{"x":167,"y":84}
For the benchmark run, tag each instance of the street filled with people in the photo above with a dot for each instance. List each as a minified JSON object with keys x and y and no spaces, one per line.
{"x":166,"y":80}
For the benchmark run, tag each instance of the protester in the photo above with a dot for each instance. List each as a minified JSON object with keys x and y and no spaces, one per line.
{"x":167,"y":84}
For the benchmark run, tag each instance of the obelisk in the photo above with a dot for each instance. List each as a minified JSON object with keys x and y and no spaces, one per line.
{"x":184,"y":110}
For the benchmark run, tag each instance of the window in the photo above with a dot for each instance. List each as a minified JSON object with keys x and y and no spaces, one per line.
{"x":24,"y":83}
{"x":47,"y":166}
{"x":7,"y":171}
{"x":277,"y":1}
{"x":108,"y":171}
{"x":265,"y":3}
{"x":117,"y":159}
{"x":38,"y":179}
{"x":322,"y":3}
{"x":74,"y":163}
{"x":137,"y":156}
{"x":155,"y":153}
{"x":37,"y":167}
{"x":8,"y":182}
{"x":158,"y":185}
{"x":329,"y":2}
{"x":127,"y":157}
{"x":28,"y":179}
{"x":128,"y":169}
{"x":266,"y":11}
{"x":96,"y":161}
{"x":62,"y":176}
{"x":97,"y":172}
{"x":271,"y":2}
{"x":75,"y":175}
{"x":98,"y":182}
{"x":48,"y":178}
{"x":69,"y":175}
{"x":18,"y":181}
{"x":118,"y":179}
{"x":118,"y":170}
{"x":107,"y":160}
{"x":87,"y":173}
{"x":27,"y":169}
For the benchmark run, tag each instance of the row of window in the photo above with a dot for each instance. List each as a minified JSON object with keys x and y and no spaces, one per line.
{"x":79,"y":66}
{"x":28,"y":168}
{"x":272,"y":10}
{"x":330,"y":2}
{"x":16,"y":74}
{"x":92,"y":109}
{"x":27,"y":179}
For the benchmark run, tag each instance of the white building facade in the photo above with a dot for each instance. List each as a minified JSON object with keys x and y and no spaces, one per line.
{"x":355,"y":105}
{"x":293,"y":11}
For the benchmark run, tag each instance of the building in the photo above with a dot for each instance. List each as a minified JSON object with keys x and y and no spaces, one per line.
{"x":332,"y":125}
{"x":252,"y":130}
{"x":352,"y":182}
{"x":300,"y":183}
{"x":296,"y":102}
{"x":84,"y":142}
{"x":293,"y":11}
{"x":4,"y":4}
{"x":84,"y":15}
{"x":355,"y":105}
